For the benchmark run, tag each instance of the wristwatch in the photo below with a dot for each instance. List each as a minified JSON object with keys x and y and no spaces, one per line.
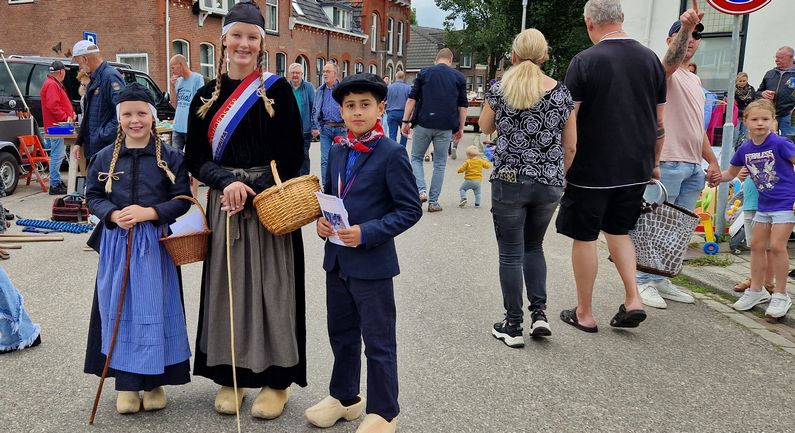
{"x":406,"y":121}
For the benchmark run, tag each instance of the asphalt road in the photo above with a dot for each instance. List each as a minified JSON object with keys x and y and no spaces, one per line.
{"x":686,"y":369}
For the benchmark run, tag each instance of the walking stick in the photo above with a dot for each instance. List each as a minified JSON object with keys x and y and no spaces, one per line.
{"x":231,"y":320}
{"x":115,"y":326}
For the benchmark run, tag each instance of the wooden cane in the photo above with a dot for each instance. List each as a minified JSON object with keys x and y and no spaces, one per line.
{"x":115,"y":326}
{"x":231,"y":320}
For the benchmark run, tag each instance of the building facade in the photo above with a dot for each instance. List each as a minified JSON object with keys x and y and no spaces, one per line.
{"x":358,"y":35}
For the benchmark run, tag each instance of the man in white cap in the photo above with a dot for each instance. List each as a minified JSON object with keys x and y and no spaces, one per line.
{"x":99,"y":126}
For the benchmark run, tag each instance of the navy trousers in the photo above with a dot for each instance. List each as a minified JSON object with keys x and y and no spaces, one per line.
{"x":363,"y":310}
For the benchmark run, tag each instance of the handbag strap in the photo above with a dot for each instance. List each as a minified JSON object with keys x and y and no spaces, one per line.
{"x":647,"y":206}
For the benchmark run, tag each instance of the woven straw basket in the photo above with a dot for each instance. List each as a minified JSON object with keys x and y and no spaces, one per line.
{"x":190,"y":247}
{"x":288,"y":206}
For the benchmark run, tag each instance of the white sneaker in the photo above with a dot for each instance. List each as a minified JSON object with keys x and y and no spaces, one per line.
{"x":779,"y":305}
{"x":751,"y":298}
{"x":650,"y":296}
{"x":668,"y":290}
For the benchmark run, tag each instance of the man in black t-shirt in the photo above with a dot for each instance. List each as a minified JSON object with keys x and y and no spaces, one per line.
{"x":619,"y":89}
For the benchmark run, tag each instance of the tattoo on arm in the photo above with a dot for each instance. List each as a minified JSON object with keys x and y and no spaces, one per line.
{"x":677,"y":51}
{"x":660,"y":133}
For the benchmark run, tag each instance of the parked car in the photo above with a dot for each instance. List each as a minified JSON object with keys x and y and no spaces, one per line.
{"x":31,"y":71}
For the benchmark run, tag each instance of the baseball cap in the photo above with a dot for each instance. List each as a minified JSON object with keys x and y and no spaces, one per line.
{"x":677,"y":25}
{"x":56,"y":66}
{"x":84,"y":47}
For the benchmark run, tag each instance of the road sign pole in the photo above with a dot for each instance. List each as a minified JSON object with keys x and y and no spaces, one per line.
{"x":524,"y":14}
{"x":727,"y":146}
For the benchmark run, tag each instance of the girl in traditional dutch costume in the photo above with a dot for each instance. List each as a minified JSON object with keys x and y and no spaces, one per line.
{"x":131,"y":185}
{"x":238,"y":124}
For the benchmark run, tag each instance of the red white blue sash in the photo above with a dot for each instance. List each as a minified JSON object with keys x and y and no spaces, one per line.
{"x":235,"y":108}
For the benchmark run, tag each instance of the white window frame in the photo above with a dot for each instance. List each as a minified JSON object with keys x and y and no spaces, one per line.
{"x":359,"y":68}
{"x":266,"y":60}
{"x":187,"y":49}
{"x":320,"y":63}
{"x":468,"y":62}
{"x":303,"y":61}
{"x":390,"y":30}
{"x":373,"y":69}
{"x":272,"y":10}
{"x":346,"y":66}
{"x":344,"y":21}
{"x":401,"y":28}
{"x":283,"y":56}
{"x":374,"y":32}
{"x":211,"y":66}
{"x":297,"y":8}
{"x":209,"y":6}
{"x":19,"y":2}
{"x":121,"y":58}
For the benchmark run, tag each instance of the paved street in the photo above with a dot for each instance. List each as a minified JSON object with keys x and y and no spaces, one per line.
{"x":686,"y":369}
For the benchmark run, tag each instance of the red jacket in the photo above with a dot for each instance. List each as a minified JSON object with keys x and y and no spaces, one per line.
{"x":55,"y":103}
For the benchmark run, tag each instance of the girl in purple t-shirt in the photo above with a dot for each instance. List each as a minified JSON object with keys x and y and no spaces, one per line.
{"x":770,"y":160}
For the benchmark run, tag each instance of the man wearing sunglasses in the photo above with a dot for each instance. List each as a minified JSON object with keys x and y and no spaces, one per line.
{"x":686,"y":143}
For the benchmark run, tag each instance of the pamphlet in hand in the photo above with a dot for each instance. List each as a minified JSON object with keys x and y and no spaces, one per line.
{"x":190,"y":223}
{"x":335,"y":213}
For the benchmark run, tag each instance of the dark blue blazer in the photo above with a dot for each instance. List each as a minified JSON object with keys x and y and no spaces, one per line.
{"x":382,"y":200}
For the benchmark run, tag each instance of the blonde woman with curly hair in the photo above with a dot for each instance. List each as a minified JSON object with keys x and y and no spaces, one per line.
{"x":535,"y":146}
{"x":238,"y":123}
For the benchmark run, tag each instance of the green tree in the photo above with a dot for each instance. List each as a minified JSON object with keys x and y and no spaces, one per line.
{"x":413,"y":16}
{"x":491,"y":25}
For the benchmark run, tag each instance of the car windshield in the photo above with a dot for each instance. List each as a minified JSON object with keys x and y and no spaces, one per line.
{"x":21,"y":72}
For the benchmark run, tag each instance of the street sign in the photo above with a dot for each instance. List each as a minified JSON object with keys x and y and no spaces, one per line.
{"x":738,"y":7}
{"x":91,"y":37}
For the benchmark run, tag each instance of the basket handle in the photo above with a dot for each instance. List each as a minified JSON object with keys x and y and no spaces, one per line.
{"x":196,"y":202}
{"x":275,"y":173}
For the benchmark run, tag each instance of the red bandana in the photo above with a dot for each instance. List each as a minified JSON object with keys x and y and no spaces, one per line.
{"x":359,"y":145}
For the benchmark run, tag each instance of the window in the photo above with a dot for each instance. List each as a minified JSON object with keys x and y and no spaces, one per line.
{"x":400,"y":38}
{"x":373,"y":69}
{"x":346,"y":66}
{"x":37,"y":79}
{"x":374,"y":32}
{"x":178,"y":46}
{"x":469,"y":83}
{"x":359,"y":68}
{"x":20,"y":71}
{"x":217,"y":6}
{"x":11,"y":2}
{"x":342,"y":18}
{"x":266,"y":61}
{"x":281,"y":64}
{"x":272,"y":15}
{"x":150,"y":86}
{"x":479,"y":84}
{"x":466,"y":60}
{"x":390,"y":27}
{"x":303,"y":61}
{"x":139,"y":62}
{"x":333,"y":61}
{"x":320,"y":63}
{"x":207,"y":60}
{"x":390,"y":72}
{"x":298,"y":9}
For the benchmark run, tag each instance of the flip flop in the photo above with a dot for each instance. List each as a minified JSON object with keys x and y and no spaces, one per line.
{"x":627,"y":319}
{"x":570,"y":317}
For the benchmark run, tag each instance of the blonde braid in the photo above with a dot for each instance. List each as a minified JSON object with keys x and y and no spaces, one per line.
{"x":260,"y":61}
{"x":160,"y":163}
{"x":207,"y":103}
{"x":116,"y":151}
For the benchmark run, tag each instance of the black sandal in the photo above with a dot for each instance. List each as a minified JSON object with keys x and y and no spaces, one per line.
{"x":627,"y":319}
{"x":570,"y":317}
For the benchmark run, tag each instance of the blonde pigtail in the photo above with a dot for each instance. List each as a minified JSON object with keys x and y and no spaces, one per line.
{"x":207,"y":103}
{"x":160,"y":163}
{"x":116,"y":152}
{"x":261,"y":61}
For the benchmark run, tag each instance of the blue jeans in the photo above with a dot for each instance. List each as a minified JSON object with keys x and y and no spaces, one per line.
{"x":441,"y":142}
{"x":327,"y":134}
{"x":785,"y":125}
{"x":395,"y":121}
{"x":684,"y":182}
{"x":474,"y":185}
{"x":307,"y":144}
{"x":17,"y":331}
{"x":521,"y":213}
{"x":57,"y":155}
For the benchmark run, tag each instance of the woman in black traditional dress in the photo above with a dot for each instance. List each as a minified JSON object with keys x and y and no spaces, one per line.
{"x":237,"y":124}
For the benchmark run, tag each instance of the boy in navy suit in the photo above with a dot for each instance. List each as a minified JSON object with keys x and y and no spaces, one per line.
{"x":373,"y":177}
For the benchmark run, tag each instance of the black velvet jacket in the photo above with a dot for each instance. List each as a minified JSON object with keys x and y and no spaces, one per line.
{"x":257,"y":140}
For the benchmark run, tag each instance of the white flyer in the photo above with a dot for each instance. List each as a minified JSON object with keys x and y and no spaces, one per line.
{"x":335,"y":213}
{"x":190,"y":223}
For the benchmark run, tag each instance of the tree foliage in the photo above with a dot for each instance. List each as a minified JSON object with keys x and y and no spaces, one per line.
{"x":413,"y":20}
{"x":491,"y":25}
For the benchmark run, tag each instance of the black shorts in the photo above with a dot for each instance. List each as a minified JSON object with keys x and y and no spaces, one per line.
{"x":585,"y":212}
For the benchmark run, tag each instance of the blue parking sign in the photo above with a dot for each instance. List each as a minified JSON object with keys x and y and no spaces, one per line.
{"x":91,"y":37}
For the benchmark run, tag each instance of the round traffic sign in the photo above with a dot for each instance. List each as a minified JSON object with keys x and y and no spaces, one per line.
{"x":738,"y":7}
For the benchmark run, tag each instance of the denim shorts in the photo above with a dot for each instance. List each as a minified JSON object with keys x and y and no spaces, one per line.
{"x":775,"y":217}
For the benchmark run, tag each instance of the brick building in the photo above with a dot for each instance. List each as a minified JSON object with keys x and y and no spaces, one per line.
{"x":359,"y":35}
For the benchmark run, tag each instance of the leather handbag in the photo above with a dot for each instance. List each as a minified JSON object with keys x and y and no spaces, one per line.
{"x":71,"y":208}
{"x":662,"y":233}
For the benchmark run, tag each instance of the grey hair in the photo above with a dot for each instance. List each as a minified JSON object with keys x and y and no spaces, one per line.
{"x":788,"y":50}
{"x":604,"y":12}
{"x":334,"y":64}
{"x":296,"y":66}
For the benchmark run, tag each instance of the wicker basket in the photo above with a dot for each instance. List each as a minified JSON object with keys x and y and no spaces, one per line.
{"x":190,"y":247}
{"x":288,"y":206}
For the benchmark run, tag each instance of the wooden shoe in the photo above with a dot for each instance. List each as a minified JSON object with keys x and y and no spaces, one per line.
{"x":128,"y":402}
{"x":270,"y":403}
{"x":376,"y":424}
{"x":225,"y":400}
{"x":155,"y":399}
{"x":330,"y":410}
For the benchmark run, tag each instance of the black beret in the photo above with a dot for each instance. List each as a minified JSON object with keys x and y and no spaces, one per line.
{"x":245,"y":12}
{"x":359,"y":83}
{"x":135,"y":92}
